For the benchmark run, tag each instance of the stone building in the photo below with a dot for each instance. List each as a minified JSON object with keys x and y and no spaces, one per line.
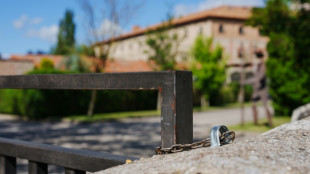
{"x":225,"y":24}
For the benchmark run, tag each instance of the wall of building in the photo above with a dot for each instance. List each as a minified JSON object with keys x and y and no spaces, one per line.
{"x":9,"y":67}
{"x":235,"y":36}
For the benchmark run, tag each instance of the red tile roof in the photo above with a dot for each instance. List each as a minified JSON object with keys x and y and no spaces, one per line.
{"x":226,"y":12}
{"x":36,"y":59}
{"x":110,"y":65}
{"x":128,"y":66}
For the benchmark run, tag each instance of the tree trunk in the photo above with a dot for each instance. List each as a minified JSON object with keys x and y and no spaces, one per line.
{"x":203,"y":101}
{"x":158,"y":100}
{"x":241,"y":94}
{"x":92,"y":102}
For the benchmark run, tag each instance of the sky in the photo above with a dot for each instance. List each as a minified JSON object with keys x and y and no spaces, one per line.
{"x":32,"y":25}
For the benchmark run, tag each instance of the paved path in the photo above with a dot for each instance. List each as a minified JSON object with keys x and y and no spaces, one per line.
{"x":129,"y":137}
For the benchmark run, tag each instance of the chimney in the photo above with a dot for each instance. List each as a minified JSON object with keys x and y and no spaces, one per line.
{"x":135,"y":28}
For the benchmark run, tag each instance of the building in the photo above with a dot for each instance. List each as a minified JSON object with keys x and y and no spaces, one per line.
{"x":14,"y":67}
{"x":225,"y":24}
{"x":19,"y":64}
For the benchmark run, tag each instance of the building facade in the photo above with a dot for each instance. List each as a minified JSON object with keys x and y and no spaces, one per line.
{"x":224,"y":24}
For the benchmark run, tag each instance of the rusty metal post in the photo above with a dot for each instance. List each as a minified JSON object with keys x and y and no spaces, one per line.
{"x":37,"y":167}
{"x":72,"y":171}
{"x":177,"y":110}
{"x":7,"y":165}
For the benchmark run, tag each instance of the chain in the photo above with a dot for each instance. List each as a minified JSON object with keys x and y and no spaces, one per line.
{"x":225,"y":138}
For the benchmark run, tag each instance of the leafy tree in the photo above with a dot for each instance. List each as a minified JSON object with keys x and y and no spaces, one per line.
{"x":289,"y":56}
{"x":118,"y":13}
{"x":209,"y":67}
{"x":46,"y":64}
{"x":76,"y":63}
{"x":163,"y":47}
{"x":86,"y":50}
{"x":66,"y":40}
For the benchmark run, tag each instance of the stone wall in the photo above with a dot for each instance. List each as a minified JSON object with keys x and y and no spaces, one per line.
{"x":285,"y":149}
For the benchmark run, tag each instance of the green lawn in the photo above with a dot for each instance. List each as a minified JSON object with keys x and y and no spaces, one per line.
{"x":262,"y":126}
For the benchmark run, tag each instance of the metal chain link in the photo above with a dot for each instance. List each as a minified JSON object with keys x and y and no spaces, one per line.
{"x":225,"y":138}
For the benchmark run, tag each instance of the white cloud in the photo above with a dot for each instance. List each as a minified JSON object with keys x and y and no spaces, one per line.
{"x":24,"y":20}
{"x":109,"y":29}
{"x":182,"y":9}
{"x":48,"y":33}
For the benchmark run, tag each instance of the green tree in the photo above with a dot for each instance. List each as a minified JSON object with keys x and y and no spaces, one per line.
{"x":76,"y":63}
{"x":163,"y":47}
{"x":66,"y":40}
{"x":289,"y":56}
{"x":208,"y":68}
{"x":46,"y":64}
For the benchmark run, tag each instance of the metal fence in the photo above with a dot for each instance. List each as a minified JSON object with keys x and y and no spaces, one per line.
{"x":176,"y":117}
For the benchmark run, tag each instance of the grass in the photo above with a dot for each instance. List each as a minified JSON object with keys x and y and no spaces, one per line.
{"x":262,"y":126}
{"x":112,"y":116}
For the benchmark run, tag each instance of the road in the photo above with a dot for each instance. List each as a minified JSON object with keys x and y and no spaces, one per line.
{"x":136,"y":137}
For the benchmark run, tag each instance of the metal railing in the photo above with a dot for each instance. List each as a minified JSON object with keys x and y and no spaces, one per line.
{"x":176,"y":117}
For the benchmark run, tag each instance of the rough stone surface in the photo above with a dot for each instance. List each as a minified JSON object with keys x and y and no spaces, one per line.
{"x":301,"y":112}
{"x":285,"y":149}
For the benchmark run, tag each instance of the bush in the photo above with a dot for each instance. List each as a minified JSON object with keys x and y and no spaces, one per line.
{"x":229,"y":94}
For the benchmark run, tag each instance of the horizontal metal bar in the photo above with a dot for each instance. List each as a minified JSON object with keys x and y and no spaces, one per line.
{"x":137,"y":81}
{"x":69,"y":158}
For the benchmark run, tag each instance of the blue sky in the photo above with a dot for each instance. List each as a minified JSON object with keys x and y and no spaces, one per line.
{"x":33,"y":24}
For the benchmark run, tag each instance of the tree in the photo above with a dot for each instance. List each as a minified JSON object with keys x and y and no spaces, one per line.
{"x":209,"y":68}
{"x":76,"y":63}
{"x":66,"y":40}
{"x":163,"y":46}
{"x":288,"y":29}
{"x":103,"y":28}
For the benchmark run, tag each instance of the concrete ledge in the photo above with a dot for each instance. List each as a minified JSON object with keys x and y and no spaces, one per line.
{"x":285,"y":149}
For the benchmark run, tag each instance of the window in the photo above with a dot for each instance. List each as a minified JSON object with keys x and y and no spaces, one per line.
{"x":185,"y":33}
{"x":241,"y":30}
{"x":221,"y":28}
{"x":200,"y":30}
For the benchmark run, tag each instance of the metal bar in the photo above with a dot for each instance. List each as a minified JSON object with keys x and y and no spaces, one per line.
{"x":7,"y":165}
{"x":175,"y":86}
{"x":69,"y":158}
{"x":72,"y":171}
{"x":37,"y":167}
{"x":177,"y":110}
{"x":136,"y":81}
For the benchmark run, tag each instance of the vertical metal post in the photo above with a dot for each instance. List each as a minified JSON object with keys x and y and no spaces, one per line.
{"x":73,"y":171}
{"x":37,"y":167}
{"x":7,"y":165}
{"x":177,"y":110}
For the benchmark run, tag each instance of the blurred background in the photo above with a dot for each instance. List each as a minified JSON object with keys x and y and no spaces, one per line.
{"x":235,"y":48}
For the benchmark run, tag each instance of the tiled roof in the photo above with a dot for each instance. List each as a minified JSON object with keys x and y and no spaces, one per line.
{"x":36,"y":59}
{"x":110,"y":65}
{"x":226,"y":12}
{"x":128,"y":66}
